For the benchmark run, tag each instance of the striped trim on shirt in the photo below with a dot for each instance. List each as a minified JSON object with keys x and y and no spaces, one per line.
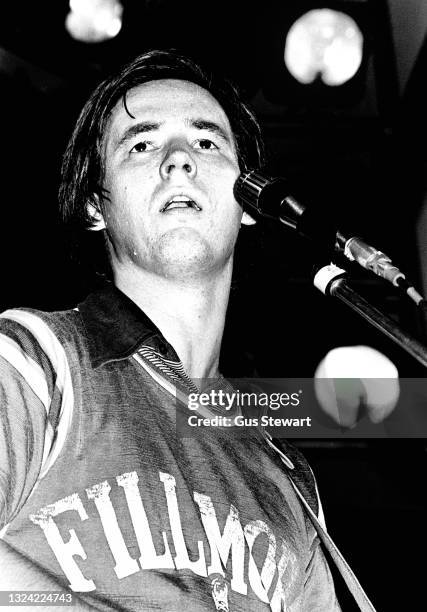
{"x":172,"y":370}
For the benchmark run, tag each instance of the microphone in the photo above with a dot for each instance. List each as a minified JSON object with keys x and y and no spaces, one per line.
{"x":271,"y":197}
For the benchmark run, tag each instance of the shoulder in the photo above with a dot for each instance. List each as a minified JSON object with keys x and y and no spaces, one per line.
{"x":34,"y":321}
{"x":42,"y":345}
{"x":32,"y":328}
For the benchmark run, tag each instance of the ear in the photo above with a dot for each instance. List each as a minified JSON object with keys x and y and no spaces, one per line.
{"x":96,"y":215}
{"x":247,"y":219}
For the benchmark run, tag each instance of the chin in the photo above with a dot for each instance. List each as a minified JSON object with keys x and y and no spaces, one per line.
{"x":186,"y":253}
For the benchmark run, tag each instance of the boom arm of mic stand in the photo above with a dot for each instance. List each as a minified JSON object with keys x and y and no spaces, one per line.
{"x":333,"y":281}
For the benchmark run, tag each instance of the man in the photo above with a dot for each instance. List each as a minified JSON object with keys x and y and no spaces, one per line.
{"x":100,"y":493}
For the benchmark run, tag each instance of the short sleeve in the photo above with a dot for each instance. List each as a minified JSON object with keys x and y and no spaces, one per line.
{"x":30,"y":405}
{"x":22,"y":433}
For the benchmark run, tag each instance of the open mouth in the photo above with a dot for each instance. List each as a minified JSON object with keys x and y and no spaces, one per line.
{"x":180,"y":202}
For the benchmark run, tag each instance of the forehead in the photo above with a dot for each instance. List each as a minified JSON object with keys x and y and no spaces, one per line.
{"x":165,"y":100}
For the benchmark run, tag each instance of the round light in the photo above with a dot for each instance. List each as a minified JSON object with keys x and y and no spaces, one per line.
{"x":324,"y":43}
{"x":94,"y":21}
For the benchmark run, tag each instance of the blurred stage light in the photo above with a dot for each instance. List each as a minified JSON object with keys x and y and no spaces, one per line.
{"x":94,"y":21}
{"x":338,"y":58}
{"x":324,"y":44}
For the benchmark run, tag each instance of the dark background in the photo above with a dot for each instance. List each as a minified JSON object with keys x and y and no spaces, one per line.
{"x":357,"y":152}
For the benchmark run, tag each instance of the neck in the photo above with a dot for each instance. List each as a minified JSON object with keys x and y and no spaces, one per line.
{"x":190,"y":315}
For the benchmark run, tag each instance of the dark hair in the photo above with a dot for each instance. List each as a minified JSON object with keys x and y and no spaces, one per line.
{"x":83,"y":165}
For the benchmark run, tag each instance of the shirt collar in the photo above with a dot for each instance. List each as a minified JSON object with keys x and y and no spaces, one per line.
{"x":117,"y":327}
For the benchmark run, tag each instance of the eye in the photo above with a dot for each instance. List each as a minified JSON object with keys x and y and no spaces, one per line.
{"x":205,"y":144}
{"x":142,"y":147}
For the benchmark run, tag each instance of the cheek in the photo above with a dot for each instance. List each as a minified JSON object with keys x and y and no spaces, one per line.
{"x":222,"y":180}
{"x":124,"y":204}
{"x":120,"y":220}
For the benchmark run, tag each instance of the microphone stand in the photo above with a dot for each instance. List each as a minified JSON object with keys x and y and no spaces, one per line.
{"x":333,"y":281}
{"x":271,"y":197}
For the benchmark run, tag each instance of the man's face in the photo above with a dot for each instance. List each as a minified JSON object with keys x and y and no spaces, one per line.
{"x":169,"y":172}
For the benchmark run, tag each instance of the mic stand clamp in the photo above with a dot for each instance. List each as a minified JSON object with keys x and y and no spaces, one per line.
{"x":333,"y":281}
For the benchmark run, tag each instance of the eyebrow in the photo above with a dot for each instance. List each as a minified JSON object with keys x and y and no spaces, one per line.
{"x":149,"y":126}
{"x":135,"y":129}
{"x":210,"y":126}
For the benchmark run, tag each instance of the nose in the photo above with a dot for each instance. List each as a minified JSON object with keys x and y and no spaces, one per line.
{"x":178,"y":160}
